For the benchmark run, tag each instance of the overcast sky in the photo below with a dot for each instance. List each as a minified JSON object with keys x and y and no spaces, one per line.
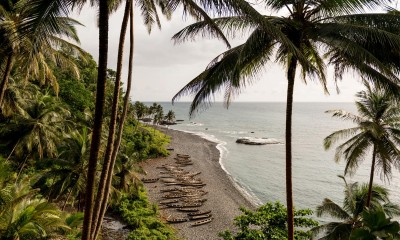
{"x":161,"y":68}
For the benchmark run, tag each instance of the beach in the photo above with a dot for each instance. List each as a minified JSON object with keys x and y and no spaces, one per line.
{"x":223,"y":198}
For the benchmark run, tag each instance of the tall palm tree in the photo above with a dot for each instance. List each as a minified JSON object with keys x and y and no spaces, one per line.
{"x":339,"y":30}
{"x":350,"y":215}
{"x":377,"y":129}
{"x":114,"y":153}
{"x":97,"y":219}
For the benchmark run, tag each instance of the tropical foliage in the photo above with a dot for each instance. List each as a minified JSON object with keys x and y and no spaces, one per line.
{"x":269,"y":222}
{"x":377,"y":130}
{"x":350,"y":216}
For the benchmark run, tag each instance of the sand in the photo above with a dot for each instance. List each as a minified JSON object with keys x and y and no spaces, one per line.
{"x":223,"y":198}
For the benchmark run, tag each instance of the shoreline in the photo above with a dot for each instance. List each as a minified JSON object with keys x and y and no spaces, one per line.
{"x":223,"y":198}
{"x":254,"y":201}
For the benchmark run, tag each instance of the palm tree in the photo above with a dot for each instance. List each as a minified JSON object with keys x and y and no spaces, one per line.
{"x":170,"y":117}
{"x":33,"y":53}
{"x":38,"y":130}
{"x":140,"y":110}
{"x":375,"y":225}
{"x":339,"y":30}
{"x":67,"y":172}
{"x":377,"y":129}
{"x":350,"y":216}
{"x":23,"y":214}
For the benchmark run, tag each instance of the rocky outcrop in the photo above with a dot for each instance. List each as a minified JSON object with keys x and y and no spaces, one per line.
{"x":257,"y":141}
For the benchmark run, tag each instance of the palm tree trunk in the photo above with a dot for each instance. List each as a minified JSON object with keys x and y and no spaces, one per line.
{"x":97,"y":216}
{"x":121,"y":123}
{"x":66,"y":200}
{"x":98,"y":118}
{"x":371,"y":178}
{"x":7,"y":72}
{"x":288,"y":140}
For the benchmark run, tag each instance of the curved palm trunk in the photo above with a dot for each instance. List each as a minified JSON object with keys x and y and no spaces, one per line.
{"x":101,"y":196}
{"x":98,"y":118}
{"x":288,"y":136}
{"x":7,"y":72}
{"x":371,"y":178}
{"x":122,"y":121}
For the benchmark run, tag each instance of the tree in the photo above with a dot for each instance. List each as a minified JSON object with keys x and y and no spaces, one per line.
{"x":38,"y":130}
{"x":375,"y":225}
{"x":339,"y":30}
{"x":377,"y":129}
{"x":170,"y":117}
{"x":140,"y":110}
{"x":269,"y":222}
{"x":35,"y":47}
{"x":67,"y":173}
{"x":23,"y":214}
{"x":350,"y":216}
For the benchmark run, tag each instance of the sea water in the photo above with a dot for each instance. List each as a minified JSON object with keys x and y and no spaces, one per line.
{"x":259,"y":171}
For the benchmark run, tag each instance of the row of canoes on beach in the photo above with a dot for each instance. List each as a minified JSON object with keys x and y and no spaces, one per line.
{"x":184,"y":194}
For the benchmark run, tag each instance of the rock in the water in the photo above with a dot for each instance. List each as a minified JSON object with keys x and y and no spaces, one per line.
{"x":257,"y":141}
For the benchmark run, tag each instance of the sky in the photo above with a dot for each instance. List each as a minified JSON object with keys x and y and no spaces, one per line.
{"x":162,"y":68}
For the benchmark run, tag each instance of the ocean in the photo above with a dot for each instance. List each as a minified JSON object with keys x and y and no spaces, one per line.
{"x":259,"y":171}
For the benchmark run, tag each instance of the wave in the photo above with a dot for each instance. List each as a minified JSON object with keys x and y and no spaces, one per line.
{"x":223,"y":153}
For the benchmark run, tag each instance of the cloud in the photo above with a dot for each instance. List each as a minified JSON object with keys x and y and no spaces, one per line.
{"x":161,"y":68}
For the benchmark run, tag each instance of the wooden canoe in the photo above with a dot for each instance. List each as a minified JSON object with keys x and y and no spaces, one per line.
{"x":201,"y":222}
{"x":187,"y":209}
{"x":199,"y":213}
{"x":169,"y":201}
{"x":176,"y":220}
{"x":185,"y":205}
{"x":197,"y":217}
{"x":149,"y":180}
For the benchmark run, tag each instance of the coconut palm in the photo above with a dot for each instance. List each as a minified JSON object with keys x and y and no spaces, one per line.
{"x":377,"y":129}
{"x":341,"y":31}
{"x":32,"y":53}
{"x":23,"y":214}
{"x":140,"y":110}
{"x":350,"y":215}
{"x":67,"y":172}
{"x":38,"y":130}
{"x":375,"y":225}
{"x":170,"y":117}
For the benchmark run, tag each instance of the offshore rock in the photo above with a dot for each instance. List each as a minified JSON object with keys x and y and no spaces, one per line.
{"x":257,"y":141}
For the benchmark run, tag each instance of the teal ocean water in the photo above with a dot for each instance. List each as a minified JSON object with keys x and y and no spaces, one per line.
{"x":259,"y":171}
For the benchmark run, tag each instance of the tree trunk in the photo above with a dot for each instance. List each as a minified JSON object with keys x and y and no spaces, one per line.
{"x":98,"y":118}
{"x":97,"y":216}
{"x":6,"y":76}
{"x":371,"y":178}
{"x":289,"y":186}
{"x":121,"y":123}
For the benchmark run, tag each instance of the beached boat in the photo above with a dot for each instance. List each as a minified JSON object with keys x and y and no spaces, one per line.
{"x":169,"y":189}
{"x":173,"y":196}
{"x":199,"y":213}
{"x":197,"y":217}
{"x":177,"y":220}
{"x":182,"y":155}
{"x":193,"y":200}
{"x":201,"y":222}
{"x":185,"y":205}
{"x":169,"y":201}
{"x":187,"y":209}
{"x":149,"y":180}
